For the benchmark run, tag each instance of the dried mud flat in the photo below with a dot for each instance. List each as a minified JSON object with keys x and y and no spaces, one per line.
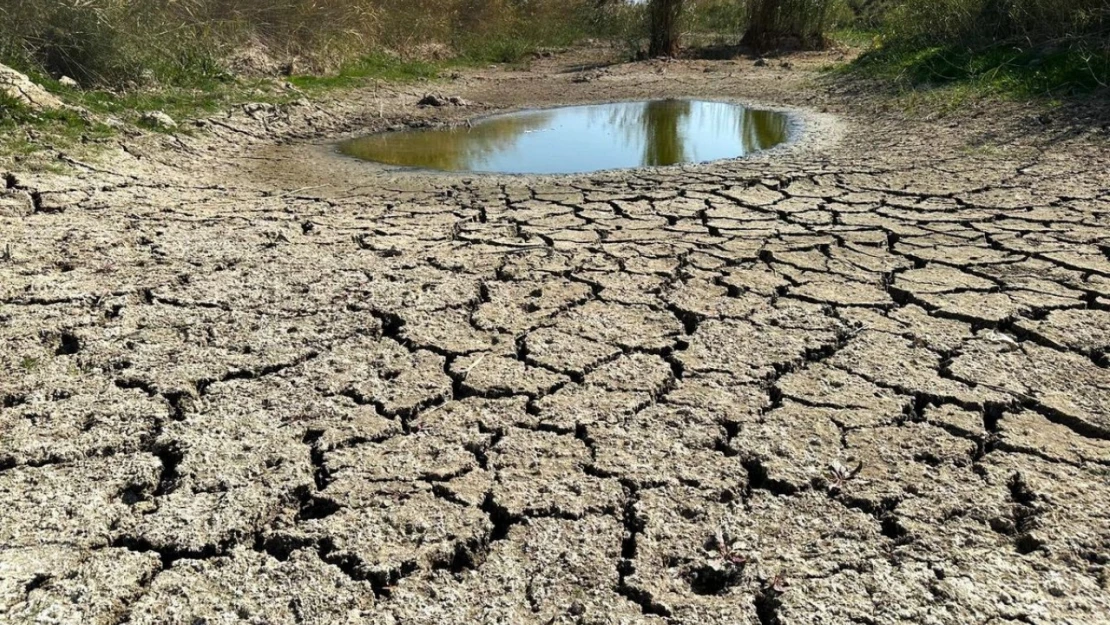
{"x":859,"y":380}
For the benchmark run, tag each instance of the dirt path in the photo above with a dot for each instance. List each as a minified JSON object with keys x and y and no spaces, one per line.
{"x":859,"y":380}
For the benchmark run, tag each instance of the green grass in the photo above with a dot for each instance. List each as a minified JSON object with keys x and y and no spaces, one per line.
{"x":473,"y":51}
{"x":62,"y":127}
{"x":854,"y":37}
{"x":176,"y":101}
{"x":945,"y":77}
{"x":143,"y":56}
{"x":502,"y":48}
{"x":372,"y":67}
{"x":997,"y":70}
{"x":191,"y":94}
{"x":66,"y":128}
{"x":516,"y":46}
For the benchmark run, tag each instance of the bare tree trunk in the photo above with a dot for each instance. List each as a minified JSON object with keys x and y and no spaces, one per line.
{"x":665,"y":31}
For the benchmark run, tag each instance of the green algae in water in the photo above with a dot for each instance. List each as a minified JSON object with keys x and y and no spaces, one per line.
{"x":581,"y":139}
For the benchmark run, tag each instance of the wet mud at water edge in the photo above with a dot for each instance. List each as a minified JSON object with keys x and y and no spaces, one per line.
{"x":582,"y":139}
{"x":850,"y":380}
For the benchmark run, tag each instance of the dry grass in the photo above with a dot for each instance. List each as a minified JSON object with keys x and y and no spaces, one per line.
{"x":123,"y":43}
{"x":793,"y":24}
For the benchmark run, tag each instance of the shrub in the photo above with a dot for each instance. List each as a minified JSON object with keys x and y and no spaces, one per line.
{"x":986,"y":21}
{"x":790,"y":23}
{"x":724,"y":18}
{"x":83,"y":40}
{"x":1020,"y":47}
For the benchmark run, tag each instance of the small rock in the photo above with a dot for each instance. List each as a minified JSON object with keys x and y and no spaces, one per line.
{"x":1005,"y":342}
{"x":761,"y":62}
{"x":158,"y":119}
{"x":588,"y":77}
{"x":259,"y":110}
{"x":432,"y":99}
{"x":66,"y":81}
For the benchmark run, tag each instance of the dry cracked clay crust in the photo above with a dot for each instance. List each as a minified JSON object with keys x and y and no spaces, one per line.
{"x":858,"y":380}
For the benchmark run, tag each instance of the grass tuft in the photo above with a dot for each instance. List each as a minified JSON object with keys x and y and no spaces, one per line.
{"x":376,"y":66}
{"x":63,"y":126}
{"x":955,"y":50}
{"x":998,"y":70}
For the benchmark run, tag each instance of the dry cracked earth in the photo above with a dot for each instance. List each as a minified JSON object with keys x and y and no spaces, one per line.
{"x":860,"y":380}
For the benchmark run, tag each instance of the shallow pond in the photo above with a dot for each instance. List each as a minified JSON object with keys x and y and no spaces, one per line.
{"x":582,"y":139}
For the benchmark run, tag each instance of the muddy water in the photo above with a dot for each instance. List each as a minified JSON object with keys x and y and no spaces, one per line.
{"x":582,"y":139}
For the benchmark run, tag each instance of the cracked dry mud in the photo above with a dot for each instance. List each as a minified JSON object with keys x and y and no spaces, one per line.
{"x":859,"y":380}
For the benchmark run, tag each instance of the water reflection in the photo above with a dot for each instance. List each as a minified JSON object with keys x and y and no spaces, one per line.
{"x":662,"y":122}
{"x":583,"y":138}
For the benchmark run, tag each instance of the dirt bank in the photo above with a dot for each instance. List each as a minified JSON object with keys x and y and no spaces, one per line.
{"x":858,"y":380}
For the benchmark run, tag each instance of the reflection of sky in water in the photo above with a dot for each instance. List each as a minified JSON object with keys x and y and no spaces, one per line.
{"x":583,"y":138}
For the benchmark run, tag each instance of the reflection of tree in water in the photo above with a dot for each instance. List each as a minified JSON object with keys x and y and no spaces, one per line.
{"x":763,"y":129}
{"x":453,"y":149}
{"x":656,"y":124}
{"x":664,"y":127}
{"x":663,"y":140}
